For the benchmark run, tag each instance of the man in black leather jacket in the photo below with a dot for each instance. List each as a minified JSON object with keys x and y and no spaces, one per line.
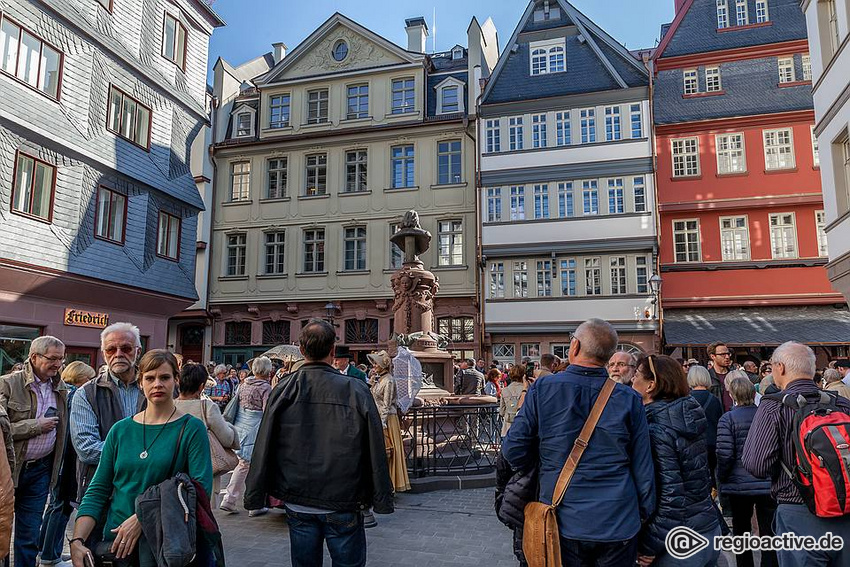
{"x":320,"y":449}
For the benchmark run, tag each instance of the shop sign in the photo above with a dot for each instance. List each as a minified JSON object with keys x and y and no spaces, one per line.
{"x":77,"y":318}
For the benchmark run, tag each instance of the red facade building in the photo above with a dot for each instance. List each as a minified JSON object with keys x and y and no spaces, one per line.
{"x":741,"y":220}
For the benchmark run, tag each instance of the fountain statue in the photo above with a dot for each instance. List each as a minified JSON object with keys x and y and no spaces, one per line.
{"x":415,"y":289}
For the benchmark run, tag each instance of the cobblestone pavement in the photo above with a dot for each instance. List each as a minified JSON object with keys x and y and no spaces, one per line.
{"x":453,"y":527}
{"x":435,"y":529}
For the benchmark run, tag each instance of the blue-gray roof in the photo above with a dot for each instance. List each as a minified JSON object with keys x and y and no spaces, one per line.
{"x":751,"y":88}
{"x":585,"y":68}
{"x":698,"y":31}
{"x":434,"y":80}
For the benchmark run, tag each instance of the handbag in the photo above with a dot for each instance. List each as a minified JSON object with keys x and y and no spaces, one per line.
{"x":223,"y":458}
{"x":541,"y":540}
{"x":231,"y":410}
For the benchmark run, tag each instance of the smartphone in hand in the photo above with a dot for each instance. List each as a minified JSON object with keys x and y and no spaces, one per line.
{"x":51,"y":412}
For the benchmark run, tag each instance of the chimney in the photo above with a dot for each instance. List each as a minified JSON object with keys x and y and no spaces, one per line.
{"x":679,"y":4}
{"x":417,"y":31}
{"x":279,"y":51}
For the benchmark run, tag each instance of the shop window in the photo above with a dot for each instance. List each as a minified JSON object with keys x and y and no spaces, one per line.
{"x":457,"y":329}
{"x":15,"y":345}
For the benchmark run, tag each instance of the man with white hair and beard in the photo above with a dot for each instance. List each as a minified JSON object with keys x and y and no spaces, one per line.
{"x":769,"y":444}
{"x":111,"y":396}
{"x":621,"y":367}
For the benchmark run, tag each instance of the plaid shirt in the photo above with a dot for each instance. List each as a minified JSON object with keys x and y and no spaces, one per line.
{"x":42,"y":445}
{"x":221,"y":389}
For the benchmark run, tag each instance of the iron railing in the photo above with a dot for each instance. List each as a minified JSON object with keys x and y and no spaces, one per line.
{"x":451,"y":440}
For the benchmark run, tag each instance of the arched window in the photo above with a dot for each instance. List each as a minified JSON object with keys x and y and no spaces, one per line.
{"x":556,"y":59}
{"x":538,"y":62}
{"x":631,"y":349}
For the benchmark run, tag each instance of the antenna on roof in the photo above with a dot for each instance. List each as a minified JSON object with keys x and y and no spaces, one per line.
{"x":434,"y":31}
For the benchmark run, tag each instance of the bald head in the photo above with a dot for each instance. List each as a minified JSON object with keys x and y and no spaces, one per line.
{"x":597,"y":342}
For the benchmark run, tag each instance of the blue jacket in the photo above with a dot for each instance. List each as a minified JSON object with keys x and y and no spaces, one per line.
{"x":683,"y":483}
{"x":732,"y":433}
{"x":613,"y":488}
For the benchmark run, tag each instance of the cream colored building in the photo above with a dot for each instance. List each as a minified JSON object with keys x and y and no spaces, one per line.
{"x":319,"y":153}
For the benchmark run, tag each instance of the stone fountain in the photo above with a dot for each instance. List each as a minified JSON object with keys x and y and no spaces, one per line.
{"x":415,"y":289}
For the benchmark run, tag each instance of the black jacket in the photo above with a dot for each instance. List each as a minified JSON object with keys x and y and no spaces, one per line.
{"x":682,"y":482}
{"x":320,"y":444}
{"x":514,"y":489}
{"x":731,"y":435}
{"x":713,"y":410}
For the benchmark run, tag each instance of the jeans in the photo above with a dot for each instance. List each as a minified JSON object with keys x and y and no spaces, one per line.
{"x":742,"y":513}
{"x":51,"y":541}
{"x":705,"y":558}
{"x":797,"y":519}
{"x":343,"y":532}
{"x":30,"y":499}
{"x":575,"y":553}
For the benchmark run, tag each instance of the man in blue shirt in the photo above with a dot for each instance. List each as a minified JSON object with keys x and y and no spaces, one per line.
{"x":613,"y":488}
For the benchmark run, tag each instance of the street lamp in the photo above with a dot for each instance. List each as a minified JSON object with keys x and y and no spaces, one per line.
{"x":330,"y":312}
{"x":655,"y":284}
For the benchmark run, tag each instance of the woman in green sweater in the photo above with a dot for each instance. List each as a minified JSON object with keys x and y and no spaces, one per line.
{"x":138,"y":453}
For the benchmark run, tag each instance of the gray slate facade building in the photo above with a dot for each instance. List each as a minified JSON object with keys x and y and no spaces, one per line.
{"x":102,"y":102}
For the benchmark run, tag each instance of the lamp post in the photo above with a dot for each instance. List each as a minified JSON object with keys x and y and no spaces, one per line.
{"x":330,"y":312}
{"x":655,"y":283}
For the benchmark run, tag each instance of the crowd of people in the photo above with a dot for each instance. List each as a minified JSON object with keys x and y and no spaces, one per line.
{"x":107,"y":443}
{"x":682,"y":445}
{"x":676,"y":444}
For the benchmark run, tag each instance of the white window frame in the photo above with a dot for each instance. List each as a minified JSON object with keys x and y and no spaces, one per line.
{"x":636,"y":121}
{"x":734,"y":239}
{"x":619,"y":275}
{"x":538,"y":131}
{"x":274,"y":252}
{"x":639,"y":193}
{"x":493,"y":134}
{"x":450,"y":238}
{"x":806,"y":64}
{"x":517,"y":202}
{"x":494,"y":204}
{"x":815,"y":147}
{"x":590,"y":197}
{"x":356,"y":171}
{"x":501,"y":353}
{"x":774,"y":149}
{"x":403,"y":161}
{"x":780,"y":236}
{"x":515,"y":133}
{"x":642,"y":275}
{"x":450,"y":83}
{"x":315,"y":169}
{"x":563,"y":128}
{"x":566,"y":200}
{"x":240,"y":181}
{"x":786,"y":70}
{"x":569,"y":277}
{"x":519,"y":273}
{"x":316,"y":247}
{"x":690,"y":81}
{"x":450,"y":153}
{"x":354,"y":248}
{"x":731,"y":153}
{"x":616,"y":196}
{"x":687,"y":159}
{"x":285,"y":106}
{"x":587,"y":117}
{"x":613,"y":124}
{"x":713,"y":81}
{"x":235,"y":254}
{"x":742,"y":13}
{"x":541,"y":201}
{"x":593,"y":276}
{"x":762,"y":12}
{"x":315,"y":108}
{"x":497,"y":280}
{"x":820,"y":227}
{"x":722,"y":14}
{"x":544,"y":278}
{"x":406,"y":87}
{"x":687,"y":232}
{"x":547,"y":57}
{"x":355,"y":111}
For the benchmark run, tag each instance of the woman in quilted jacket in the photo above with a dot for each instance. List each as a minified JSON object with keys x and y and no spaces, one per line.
{"x":744,"y":491}
{"x":677,"y":430}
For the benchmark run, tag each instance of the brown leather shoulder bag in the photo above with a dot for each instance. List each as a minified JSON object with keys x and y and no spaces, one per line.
{"x":541,"y":541}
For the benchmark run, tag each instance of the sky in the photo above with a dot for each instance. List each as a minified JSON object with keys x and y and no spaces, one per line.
{"x":253,"y":25}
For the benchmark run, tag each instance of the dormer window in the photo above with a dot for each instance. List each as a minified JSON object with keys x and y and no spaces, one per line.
{"x":548,"y":57}
{"x":457,"y":53}
{"x":243,"y":117}
{"x":450,"y":96}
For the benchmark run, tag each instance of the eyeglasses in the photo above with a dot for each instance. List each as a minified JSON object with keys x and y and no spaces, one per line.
{"x":620,"y":365}
{"x":126,"y":349}
{"x":727,"y":353}
{"x":53,"y":359}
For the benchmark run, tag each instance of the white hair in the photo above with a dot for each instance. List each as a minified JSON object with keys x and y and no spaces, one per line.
{"x":220,"y":369}
{"x":127,"y":328}
{"x":831,"y":375}
{"x":41,"y":345}
{"x":798,"y":359}
{"x":732,"y":375}
{"x":698,"y":377}
{"x":262,"y":366}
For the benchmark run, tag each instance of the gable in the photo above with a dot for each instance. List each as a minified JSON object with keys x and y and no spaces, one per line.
{"x":697,"y":31}
{"x":315,"y":55}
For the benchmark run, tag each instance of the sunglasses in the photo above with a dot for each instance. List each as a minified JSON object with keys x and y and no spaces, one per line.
{"x":126,"y":349}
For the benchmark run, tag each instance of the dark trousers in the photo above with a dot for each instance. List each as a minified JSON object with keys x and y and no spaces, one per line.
{"x":51,"y":541}
{"x":342,"y":531}
{"x":576,"y":553}
{"x":742,"y":513}
{"x":30,"y":499}
{"x":796,"y":518}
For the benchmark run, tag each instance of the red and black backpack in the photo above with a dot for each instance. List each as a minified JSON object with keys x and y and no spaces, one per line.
{"x":820,"y":433}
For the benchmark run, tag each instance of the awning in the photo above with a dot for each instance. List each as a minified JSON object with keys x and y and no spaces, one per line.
{"x":815,"y":324}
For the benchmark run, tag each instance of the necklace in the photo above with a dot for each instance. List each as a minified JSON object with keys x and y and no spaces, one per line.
{"x":144,"y":454}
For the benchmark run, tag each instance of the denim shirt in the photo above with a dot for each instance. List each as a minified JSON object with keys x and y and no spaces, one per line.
{"x":613,"y":488}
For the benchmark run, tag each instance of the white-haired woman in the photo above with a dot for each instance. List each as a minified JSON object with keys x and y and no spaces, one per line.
{"x":252,"y":397}
{"x":699,"y":381}
{"x":832,"y":382}
{"x":384,"y":391}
